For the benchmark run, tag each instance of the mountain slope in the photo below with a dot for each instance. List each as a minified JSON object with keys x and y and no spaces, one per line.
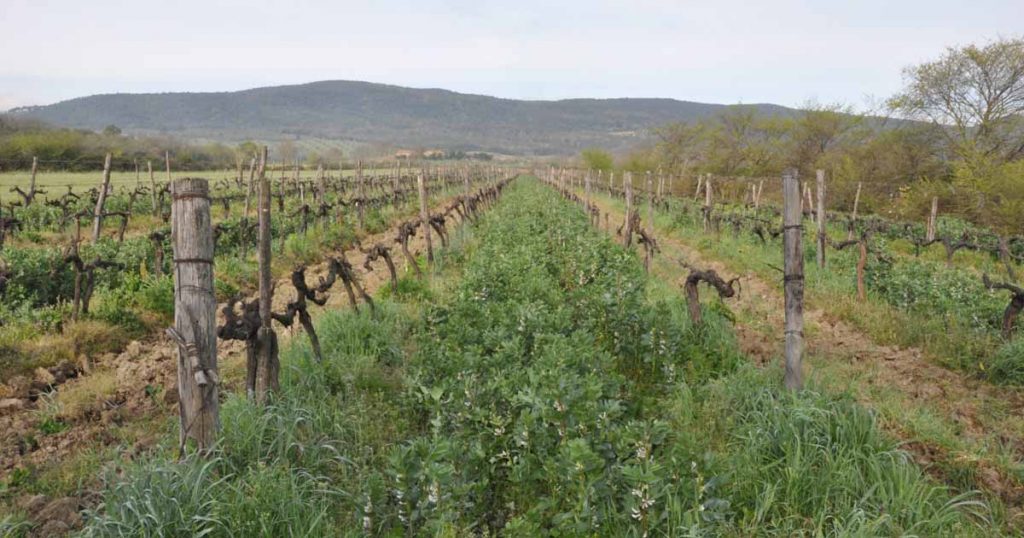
{"x":371,"y":112}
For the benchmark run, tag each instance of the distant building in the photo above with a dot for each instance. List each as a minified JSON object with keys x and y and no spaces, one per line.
{"x":405,"y":154}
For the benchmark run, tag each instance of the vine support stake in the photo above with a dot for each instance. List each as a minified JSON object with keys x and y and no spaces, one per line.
{"x":793,"y":262}
{"x":195,"y":313}
{"x":262,"y":377}
{"x":821,"y":218}
{"x":424,"y":216}
{"x":97,"y":218}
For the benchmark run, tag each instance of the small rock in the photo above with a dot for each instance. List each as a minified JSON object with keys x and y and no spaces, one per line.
{"x":171,"y":396}
{"x":43,"y":376}
{"x":11,"y":405}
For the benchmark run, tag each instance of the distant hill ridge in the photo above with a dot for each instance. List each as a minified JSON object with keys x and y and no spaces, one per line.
{"x":381,"y":113}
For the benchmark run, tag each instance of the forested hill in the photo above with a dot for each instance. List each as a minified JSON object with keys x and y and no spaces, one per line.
{"x":371,"y":112}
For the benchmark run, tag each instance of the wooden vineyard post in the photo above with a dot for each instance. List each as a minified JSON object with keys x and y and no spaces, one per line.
{"x":708,"y":200}
{"x":97,"y":216}
{"x":31,"y":194}
{"x":167,"y":161}
{"x":262,"y":377}
{"x":821,"y":219}
{"x":425,"y":217}
{"x":244,"y":247}
{"x":930,"y":234}
{"x":321,"y":184}
{"x":586,"y":193}
{"x":152,"y":189}
{"x":793,"y":261}
{"x":627,"y":184}
{"x":359,"y":195}
{"x":195,"y":313}
{"x":650,"y":203}
{"x":853,"y":218}
{"x":862,"y":261}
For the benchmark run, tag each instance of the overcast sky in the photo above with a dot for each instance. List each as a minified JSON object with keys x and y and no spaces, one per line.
{"x":720,"y":51}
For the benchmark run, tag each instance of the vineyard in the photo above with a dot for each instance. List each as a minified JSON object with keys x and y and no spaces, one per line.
{"x":476,"y":350}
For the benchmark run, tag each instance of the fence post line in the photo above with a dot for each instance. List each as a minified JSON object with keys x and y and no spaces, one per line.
{"x":195,"y":317}
{"x":793,"y":262}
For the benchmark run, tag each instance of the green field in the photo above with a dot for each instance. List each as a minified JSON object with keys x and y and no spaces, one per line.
{"x":85,"y":180}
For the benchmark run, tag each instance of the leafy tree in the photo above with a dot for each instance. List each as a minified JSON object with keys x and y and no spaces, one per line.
{"x":975,"y":95}
{"x":111,"y":130}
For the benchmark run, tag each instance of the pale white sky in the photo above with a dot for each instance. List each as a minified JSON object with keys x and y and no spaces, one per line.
{"x":720,"y":51}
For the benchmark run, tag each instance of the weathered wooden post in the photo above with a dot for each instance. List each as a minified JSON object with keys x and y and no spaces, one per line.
{"x":262,"y":377}
{"x":821,"y":219}
{"x":359,"y":193}
{"x":650,"y":203}
{"x":32,"y":184}
{"x":321,"y":183}
{"x":793,"y":262}
{"x":627,"y":184}
{"x":152,"y":189}
{"x":708,"y":201}
{"x":930,"y":234}
{"x":853,"y":218}
{"x":195,"y":313}
{"x":586,"y":191}
{"x":425,"y":216}
{"x":97,"y":216}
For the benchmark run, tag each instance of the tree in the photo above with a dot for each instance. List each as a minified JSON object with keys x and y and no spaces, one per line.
{"x":975,"y":94}
{"x":816,"y":135}
{"x":286,"y":152}
{"x":597,"y":159}
{"x":111,"y":130}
